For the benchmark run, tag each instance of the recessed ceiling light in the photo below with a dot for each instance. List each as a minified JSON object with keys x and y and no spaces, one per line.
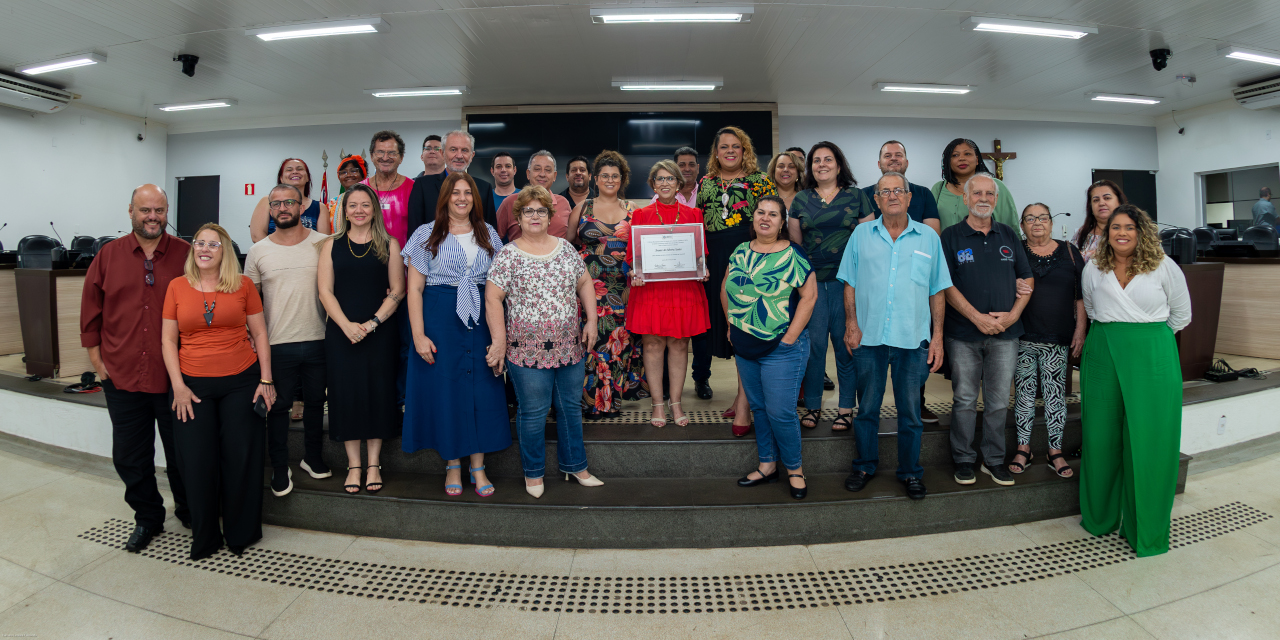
{"x":1126,"y":98}
{"x":689,"y":85}
{"x":66,"y":62}
{"x":956,"y":89}
{"x":417,"y":91}
{"x":201,"y":104}
{"x":1031,"y":27}
{"x":1252,"y":56}
{"x":317,"y":29}
{"x":690,"y":14}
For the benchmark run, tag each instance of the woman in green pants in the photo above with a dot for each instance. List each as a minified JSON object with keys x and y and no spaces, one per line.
{"x":1131,"y":384}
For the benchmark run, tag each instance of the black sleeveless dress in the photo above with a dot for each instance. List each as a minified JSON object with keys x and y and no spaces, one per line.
{"x":361,"y":376}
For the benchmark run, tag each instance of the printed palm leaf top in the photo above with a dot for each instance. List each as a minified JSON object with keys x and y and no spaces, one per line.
{"x":759,"y":289}
{"x":743,"y":194}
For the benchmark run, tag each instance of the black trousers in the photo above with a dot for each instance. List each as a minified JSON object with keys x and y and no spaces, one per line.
{"x":297,"y":366}
{"x":135,"y":417}
{"x":701,"y":357}
{"x":220,"y":452}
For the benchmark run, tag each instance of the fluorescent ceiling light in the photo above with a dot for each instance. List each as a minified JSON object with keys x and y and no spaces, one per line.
{"x":683,"y":85}
{"x":956,"y":89}
{"x":201,"y":104}
{"x":66,"y":62}
{"x":1121,"y":97}
{"x":416,"y":91}
{"x":1031,"y":27}
{"x":691,"y":14}
{"x":317,"y":29}
{"x":1252,"y":56}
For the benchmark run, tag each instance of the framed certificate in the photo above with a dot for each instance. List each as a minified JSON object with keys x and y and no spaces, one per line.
{"x":669,"y":252}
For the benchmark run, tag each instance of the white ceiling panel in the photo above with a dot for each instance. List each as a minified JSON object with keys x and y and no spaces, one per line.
{"x":509,"y":52}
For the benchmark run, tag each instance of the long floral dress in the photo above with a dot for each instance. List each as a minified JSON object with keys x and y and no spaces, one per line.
{"x":615,"y":368}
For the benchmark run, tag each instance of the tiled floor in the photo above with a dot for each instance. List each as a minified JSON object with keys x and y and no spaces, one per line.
{"x":54,"y":584}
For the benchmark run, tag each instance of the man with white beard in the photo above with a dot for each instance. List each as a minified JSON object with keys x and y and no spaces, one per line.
{"x":986,"y":260}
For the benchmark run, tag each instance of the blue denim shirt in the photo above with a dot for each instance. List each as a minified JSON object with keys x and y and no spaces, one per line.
{"x":892,"y":282}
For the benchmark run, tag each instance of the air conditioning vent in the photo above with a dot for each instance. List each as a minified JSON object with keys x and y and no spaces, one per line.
{"x":26,"y":95}
{"x":1260,"y":95}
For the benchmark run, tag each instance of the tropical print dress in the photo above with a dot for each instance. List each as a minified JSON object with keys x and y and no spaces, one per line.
{"x":728,"y":203}
{"x":615,"y":369}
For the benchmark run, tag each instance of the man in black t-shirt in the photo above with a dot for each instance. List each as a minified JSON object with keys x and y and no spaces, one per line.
{"x":982,"y":326}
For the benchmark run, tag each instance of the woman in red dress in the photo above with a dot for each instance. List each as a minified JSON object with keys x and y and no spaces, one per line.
{"x":666,"y":314}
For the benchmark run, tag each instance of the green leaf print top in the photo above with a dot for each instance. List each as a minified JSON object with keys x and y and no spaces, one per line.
{"x":760,"y":288}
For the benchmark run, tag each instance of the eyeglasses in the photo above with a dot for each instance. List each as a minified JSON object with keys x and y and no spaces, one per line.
{"x":662,"y":179}
{"x":276,"y":204}
{"x":540,"y":212}
{"x":431,"y":148}
{"x":604,"y":178}
{"x":386,"y":155}
{"x":200,"y":244}
{"x":150,"y":278}
{"x":897,"y":191}
{"x":1041,"y":218}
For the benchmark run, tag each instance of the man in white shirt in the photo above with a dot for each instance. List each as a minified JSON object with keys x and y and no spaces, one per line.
{"x":283,"y":266}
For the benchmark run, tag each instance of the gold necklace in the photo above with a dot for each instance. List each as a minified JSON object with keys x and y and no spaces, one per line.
{"x":353,"y":251}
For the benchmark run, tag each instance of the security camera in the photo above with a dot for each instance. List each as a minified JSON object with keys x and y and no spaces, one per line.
{"x":189,"y":62}
{"x":1160,"y":58}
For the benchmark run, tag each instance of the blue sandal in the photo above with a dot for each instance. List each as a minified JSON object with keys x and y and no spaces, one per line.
{"x":447,"y":487}
{"x":480,"y":491}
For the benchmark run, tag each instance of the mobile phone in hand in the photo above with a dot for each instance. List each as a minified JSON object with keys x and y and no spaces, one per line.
{"x":260,"y":407}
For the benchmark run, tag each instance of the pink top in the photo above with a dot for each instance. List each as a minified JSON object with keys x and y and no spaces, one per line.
{"x":395,"y":208}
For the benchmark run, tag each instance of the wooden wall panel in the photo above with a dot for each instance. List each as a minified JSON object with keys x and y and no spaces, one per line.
{"x":10,"y":325}
{"x":72,"y":358}
{"x":1250,"y":321}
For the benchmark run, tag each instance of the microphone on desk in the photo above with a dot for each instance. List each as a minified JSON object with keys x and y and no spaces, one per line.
{"x":55,"y":231}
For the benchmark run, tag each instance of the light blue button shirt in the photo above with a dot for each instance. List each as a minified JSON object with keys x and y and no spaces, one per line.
{"x":892,"y":282}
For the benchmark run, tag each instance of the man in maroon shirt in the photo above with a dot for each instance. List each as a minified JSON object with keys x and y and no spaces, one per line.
{"x":120,"y":325}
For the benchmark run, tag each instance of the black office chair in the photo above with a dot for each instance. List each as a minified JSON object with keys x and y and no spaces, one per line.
{"x":36,"y":252}
{"x":82,"y":243}
{"x":1179,"y":244}
{"x":1205,"y":237}
{"x":1264,"y":239}
{"x":102,"y":240}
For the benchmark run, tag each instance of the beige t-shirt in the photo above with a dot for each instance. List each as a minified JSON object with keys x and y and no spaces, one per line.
{"x":287,"y":278}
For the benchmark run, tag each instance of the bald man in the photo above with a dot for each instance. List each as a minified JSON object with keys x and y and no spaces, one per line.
{"x":120,"y":326}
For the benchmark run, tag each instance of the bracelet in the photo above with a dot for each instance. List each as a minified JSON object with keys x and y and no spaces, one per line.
{"x":375,"y":320}
{"x":269,"y":383}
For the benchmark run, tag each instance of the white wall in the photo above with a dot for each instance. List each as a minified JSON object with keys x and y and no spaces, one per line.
{"x":1217,"y":137}
{"x":75,"y":168}
{"x":1054,"y":164}
{"x":252,"y":156}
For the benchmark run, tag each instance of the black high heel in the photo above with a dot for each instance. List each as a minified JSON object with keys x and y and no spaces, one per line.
{"x":746,"y":481}
{"x":368,"y":486}
{"x":797,"y":493}
{"x":348,"y":487}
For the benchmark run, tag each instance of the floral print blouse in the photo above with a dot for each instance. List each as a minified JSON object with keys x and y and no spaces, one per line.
{"x":542,"y":305}
{"x":726,"y":204}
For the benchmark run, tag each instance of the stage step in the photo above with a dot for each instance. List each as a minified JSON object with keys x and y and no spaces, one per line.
{"x":639,"y":450}
{"x":669,"y":512}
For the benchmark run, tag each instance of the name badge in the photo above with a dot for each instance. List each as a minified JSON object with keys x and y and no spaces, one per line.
{"x":386,"y":206}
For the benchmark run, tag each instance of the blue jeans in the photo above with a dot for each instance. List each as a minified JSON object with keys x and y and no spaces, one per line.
{"x":406,"y":346}
{"x":774,"y":404}
{"x":536,"y":390}
{"x":910,"y":369}
{"x":828,"y":321}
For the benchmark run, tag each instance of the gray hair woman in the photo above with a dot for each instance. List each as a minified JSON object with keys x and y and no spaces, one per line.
{"x":538,"y":340}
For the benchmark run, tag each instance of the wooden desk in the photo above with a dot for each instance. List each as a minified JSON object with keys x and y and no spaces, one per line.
{"x":1197,"y":341}
{"x":10,"y":326}
{"x":49,"y":312}
{"x":1250,"y":324}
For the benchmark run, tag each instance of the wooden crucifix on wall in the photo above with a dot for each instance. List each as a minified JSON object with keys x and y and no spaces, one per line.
{"x":999,"y":158}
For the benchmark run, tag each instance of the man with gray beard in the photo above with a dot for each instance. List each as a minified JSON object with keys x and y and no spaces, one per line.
{"x":986,"y":260}
{"x":120,"y":310}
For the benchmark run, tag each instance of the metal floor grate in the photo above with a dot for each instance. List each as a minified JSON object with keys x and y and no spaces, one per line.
{"x":713,"y":417}
{"x":676,"y":594}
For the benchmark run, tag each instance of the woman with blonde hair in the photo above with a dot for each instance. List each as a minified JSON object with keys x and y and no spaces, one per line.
{"x":787,"y":173}
{"x":361,"y":288}
{"x":728,"y":195}
{"x":219,"y":383}
{"x":1131,"y":384}
{"x":666,"y":314}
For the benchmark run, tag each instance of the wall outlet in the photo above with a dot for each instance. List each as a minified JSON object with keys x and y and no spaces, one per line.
{"x":1222,"y":425}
